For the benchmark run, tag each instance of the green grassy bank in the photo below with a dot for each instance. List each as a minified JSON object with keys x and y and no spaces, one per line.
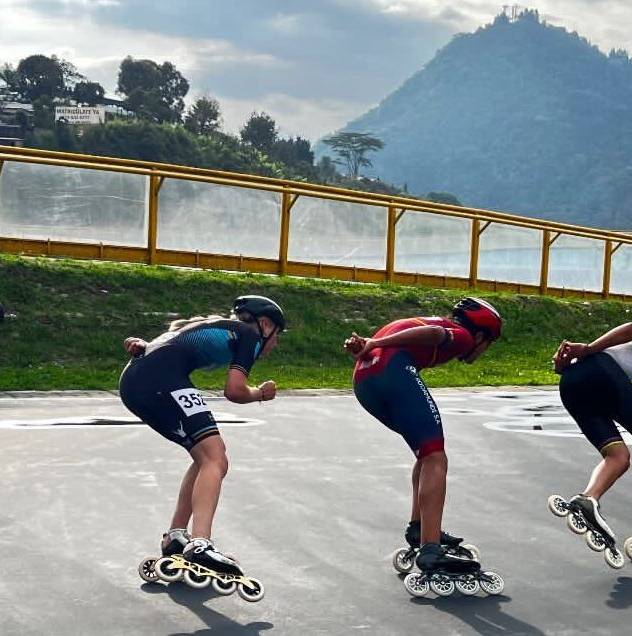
{"x":68,"y":319}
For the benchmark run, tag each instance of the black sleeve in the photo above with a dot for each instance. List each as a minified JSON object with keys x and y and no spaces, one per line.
{"x":244,"y":348}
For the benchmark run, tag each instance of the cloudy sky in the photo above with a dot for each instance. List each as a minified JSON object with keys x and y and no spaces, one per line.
{"x":312,"y":64}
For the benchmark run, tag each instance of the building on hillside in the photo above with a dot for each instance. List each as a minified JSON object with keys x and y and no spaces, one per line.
{"x":15,"y":119}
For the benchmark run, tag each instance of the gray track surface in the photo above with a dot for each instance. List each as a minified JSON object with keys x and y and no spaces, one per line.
{"x":314,"y":504}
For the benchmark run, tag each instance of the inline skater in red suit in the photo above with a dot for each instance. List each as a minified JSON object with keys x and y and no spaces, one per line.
{"x":387,"y":383}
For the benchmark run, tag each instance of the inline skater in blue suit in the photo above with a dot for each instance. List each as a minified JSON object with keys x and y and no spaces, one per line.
{"x":156,"y":387}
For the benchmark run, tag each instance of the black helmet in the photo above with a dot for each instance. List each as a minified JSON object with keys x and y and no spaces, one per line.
{"x":258,"y":306}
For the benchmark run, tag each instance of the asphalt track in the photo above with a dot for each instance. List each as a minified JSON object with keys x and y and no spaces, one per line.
{"x":314,"y":505}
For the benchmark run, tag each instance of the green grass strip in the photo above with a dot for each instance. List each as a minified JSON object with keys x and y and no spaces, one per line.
{"x":69,"y":319}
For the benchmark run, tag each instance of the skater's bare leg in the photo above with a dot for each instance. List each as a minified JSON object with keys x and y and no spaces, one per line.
{"x":432,"y":487}
{"x":210,"y":458}
{"x":415,"y":514}
{"x":183,"y":510}
{"x":615,"y":462}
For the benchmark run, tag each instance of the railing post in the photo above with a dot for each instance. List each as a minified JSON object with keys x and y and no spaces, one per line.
{"x":607,"y":268}
{"x":476,"y":233}
{"x":390,"y":243}
{"x":284,"y":239}
{"x":544,"y":263}
{"x":152,"y":222}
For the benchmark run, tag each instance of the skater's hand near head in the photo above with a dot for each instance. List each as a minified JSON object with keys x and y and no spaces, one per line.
{"x":567,"y":352}
{"x":268,"y":390}
{"x":135,"y":346}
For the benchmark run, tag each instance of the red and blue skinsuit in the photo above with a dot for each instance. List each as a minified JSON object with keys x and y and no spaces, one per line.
{"x":387,"y":383}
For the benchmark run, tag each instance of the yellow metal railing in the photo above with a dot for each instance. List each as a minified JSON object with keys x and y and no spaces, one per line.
{"x":290,"y":191}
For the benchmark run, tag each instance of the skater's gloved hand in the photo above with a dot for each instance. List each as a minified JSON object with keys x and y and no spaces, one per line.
{"x":268,"y":390}
{"x":567,"y":352}
{"x":135,"y":346}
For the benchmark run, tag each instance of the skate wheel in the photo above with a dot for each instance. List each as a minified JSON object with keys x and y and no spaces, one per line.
{"x":442,"y":585}
{"x":197,"y":581}
{"x":492,"y":583}
{"x":146,"y":570}
{"x":252,"y":592}
{"x":416,"y":585}
{"x":556,"y":506}
{"x":223,"y":588}
{"x":165,"y":570}
{"x":595,"y":541}
{"x":614,"y":558}
{"x":627,"y":547}
{"x":403,"y":560}
{"x":576,"y":524}
{"x":468,"y":585}
{"x":474,"y":550}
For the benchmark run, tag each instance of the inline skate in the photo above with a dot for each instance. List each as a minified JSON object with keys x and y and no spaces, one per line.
{"x":201,"y":564}
{"x":404,"y":558}
{"x":442,"y":571}
{"x":584,"y":517}
{"x":173,"y":542}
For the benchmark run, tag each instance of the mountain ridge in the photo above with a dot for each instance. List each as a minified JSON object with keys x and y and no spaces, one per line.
{"x":519,"y":116}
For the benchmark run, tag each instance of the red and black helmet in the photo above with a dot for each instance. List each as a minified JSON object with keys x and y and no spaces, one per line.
{"x":477,"y":315}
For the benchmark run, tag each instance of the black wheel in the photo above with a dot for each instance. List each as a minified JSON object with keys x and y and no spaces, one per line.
{"x":146,"y":570}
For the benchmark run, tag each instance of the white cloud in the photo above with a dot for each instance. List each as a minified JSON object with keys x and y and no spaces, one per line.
{"x":308,"y":118}
{"x":604,"y":23}
{"x":232,"y":72}
{"x":97,"y":50}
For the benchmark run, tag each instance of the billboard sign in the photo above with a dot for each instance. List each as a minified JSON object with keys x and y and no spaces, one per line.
{"x":80,"y":114}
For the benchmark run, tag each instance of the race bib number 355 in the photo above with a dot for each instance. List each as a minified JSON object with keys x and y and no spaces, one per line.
{"x":190,"y":401}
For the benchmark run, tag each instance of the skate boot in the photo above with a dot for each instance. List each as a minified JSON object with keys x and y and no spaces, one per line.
{"x":173,"y":542}
{"x":404,"y":558}
{"x":434,"y":557}
{"x":442,"y":571}
{"x":456,"y":546}
{"x":202,"y":564}
{"x":583,"y":516}
{"x":204,"y":553}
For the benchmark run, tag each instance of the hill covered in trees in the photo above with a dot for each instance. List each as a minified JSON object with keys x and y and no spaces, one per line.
{"x":518,"y":116}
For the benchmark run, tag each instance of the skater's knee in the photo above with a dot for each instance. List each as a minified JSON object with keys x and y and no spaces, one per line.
{"x":436,"y":459}
{"x":211,"y":452}
{"x":432,"y":450}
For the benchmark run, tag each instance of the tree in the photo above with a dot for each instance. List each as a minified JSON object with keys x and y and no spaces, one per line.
{"x":40,"y":76}
{"x":37,"y":76}
{"x":153,"y":92}
{"x":327,"y":172}
{"x":89,"y":93}
{"x":203,"y":117}
{"x":352,"y":147}
{"x":294,"y":152}
{"x":443,"y":197}
{"x":260,"y":132}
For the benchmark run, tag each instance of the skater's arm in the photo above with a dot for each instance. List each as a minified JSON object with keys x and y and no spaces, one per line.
{"x":236,"y":389}
{"x":618,"y":335}
{"x":569,"y":351}
{"x":428,"y":335}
